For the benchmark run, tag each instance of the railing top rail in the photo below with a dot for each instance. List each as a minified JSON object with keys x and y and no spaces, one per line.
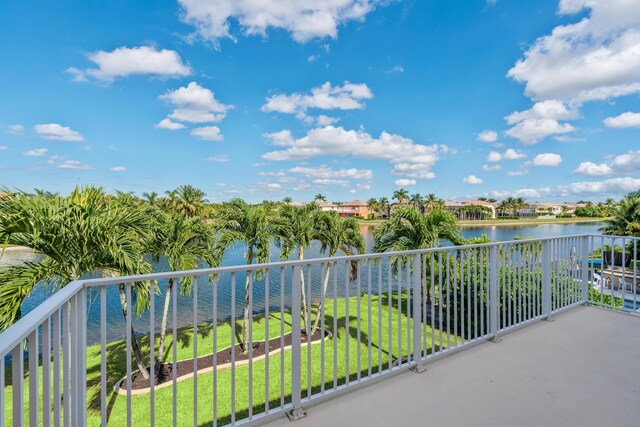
{"x":312,"y":261}
{"x":20,"y":330}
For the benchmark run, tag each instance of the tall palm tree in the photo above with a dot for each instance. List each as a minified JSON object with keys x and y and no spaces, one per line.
{"x":320,"y":197}
{"x":150,"y":198}
{"x":385,"y":206}
{"x":625,"y":218}
{"x":401,"y":195}
{"x":373,"y":205}
{"x":75,"y":235}
{"x":337,"y":234}
{"x":417,"y":201}
{"x":432,"y":202}
{"x":409,"y":230}
{"x":189,"y":201}
{"x":239,"y":222}
{"x":184,"y":243}
{"x":297,"y":228}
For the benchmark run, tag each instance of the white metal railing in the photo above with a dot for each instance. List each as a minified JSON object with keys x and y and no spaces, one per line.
{"x":376,"y":315}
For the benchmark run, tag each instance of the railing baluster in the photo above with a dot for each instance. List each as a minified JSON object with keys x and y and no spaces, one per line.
{"x":103,"y":357}
{"x":296,"y":335}
{"x":433,"y":296}
{"x":380,"y":317}
{"x":321,"y":310}
{"x":57,"y":396}
{"x":358,"y":323}
{"x":195,"y":350}
{"x":174,"y":345}
{"x":2,"y":391}
{"x":266,"y":341}
{"x":440,"y":300}
{"x":463,"y":309}
{"x":232,"y":323}
{"x":335,"y":327}
{"x":17,"y":381}
{"x":152,"y":346}
{"x":346,"y":324}
{"x":417,"y":302}
{"x":46,"y":373}
{"x":249,"y":300}
{"x":214,"y":333}
{"x":369,"y":317}
{"x":307,"y":328}
{"x":282,"y":271}
{"x":128,"y":334}
{"x":389,"y":314}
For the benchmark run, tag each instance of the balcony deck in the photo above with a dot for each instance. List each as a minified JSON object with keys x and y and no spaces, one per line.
{"x":582,"y":369}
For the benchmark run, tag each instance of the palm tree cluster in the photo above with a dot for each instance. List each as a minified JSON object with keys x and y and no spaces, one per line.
{"x":625,"y":217}
{"x":424,"y":204}
{"x":511,"y":205}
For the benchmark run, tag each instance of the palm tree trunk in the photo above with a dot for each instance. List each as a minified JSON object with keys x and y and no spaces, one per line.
{"x":247,"y":316}
{"x":134,"y":341}
{"x":305,"y":317}
{"x":163,"y":326}
{"x":325,"y":283}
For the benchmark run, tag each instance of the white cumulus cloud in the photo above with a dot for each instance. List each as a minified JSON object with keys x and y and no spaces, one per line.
{"x":404,"y":182}
{"x":624,"y":120}
{"x":509,"y":154}
{"x":169,"y":124}
{"x":125,"y":61}
{"x":17,"y":130}
{"x":595,"y":58}
{"x":118,"y":169}
{"x":408,"y":158}
{"x":74,"y":164}
{"x":56,"y":132}
{"x":593,"y":169}
{"x":472,"y":179}
{"x":208,"y":133}
{"x":327,"y":172}
{"x":488,"y":136}
{"x":194,"y":104}
{"x":349,"y":96}
{"x":546,"y":159}
{"x":220,"y":158}
{"x":36,"y":152}
{"x":303,"y":19}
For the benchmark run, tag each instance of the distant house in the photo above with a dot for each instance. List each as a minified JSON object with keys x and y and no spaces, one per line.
{"x":353,"y":208}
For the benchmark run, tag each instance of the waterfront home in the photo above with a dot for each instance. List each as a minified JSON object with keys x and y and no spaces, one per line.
{"x":354,"y":208}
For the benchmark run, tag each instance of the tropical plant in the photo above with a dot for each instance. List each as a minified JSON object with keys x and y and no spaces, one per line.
{"x":625,"y":219}
{"x":417,"y":201}
{"x":409,"y":230}
{"x":184,"y":242}
{"x":384,"y":205}
{"x":75,"y":235}
{"x":296,"y":229}
{"x":432,"y":202}
{"x":320,"y":197}
{"x":337,"y":234}
{"x":150,"y":198}
{"x":401,"y":195}
{"x":254,"y":226}
{"x":373,"y":205}
{"x":188,"y":201}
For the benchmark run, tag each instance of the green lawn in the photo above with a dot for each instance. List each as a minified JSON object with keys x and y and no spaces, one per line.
{"x":116,"y":358}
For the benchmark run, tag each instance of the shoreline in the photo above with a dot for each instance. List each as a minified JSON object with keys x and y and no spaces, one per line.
{"x":506,"y":222}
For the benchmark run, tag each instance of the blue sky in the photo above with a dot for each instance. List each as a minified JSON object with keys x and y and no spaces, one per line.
{"x":349,"y":98}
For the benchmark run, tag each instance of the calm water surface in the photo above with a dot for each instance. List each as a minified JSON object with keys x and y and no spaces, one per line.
{"x":234,"y":256}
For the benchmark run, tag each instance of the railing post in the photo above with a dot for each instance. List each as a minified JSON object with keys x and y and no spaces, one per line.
{"x":546,"y":279}
{"x":585,"y":269}
{"x":417,"y":313}
{"x":494,"y":304}
{"x":296,"y":307}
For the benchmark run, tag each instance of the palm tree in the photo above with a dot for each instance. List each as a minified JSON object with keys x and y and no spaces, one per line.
{"x":150,"y":198}
{"x":337,"y":234}
{"x":239,"y":222}
{"x":287,"y":200}
{"x":296,"y":230}
{"x":401,"y":195}
{"x":320,"y":197}
{"x":184,"y":243}
{"x":409,"y":230}
{"x":417,"y":201}
{"x":75,"y":235}
{"x":385,"y":206}
{"x":432,"y":202}
{"x":625,"y":218}
{"x":189,"y":201}
{"x":373,"y":205}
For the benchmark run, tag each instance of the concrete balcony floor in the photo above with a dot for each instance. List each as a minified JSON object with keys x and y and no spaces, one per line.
{"x":583,"y":369}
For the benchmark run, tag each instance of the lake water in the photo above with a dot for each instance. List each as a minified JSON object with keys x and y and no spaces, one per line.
{"x":234,"y":256}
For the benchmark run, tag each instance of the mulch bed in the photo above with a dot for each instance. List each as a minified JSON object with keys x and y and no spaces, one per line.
{"x":185,"y":367}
